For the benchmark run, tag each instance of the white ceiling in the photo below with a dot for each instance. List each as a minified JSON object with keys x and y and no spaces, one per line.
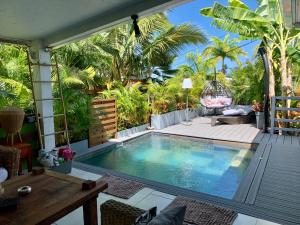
{"x":55,"y":22}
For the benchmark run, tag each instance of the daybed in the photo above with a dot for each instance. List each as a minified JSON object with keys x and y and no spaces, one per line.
{"x":238,"y":114}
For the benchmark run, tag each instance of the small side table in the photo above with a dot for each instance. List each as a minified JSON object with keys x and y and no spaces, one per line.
{"x":26,"y":155}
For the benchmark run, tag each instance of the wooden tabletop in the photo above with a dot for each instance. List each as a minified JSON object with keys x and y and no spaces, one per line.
{"x":53,"y":196}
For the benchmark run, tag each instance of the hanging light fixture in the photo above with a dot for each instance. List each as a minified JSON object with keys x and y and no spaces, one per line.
{"x":135,"y":25}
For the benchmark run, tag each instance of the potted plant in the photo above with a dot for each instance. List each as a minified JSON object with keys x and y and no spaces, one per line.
{"x":59,"y":159}
{"x":258,"y":108}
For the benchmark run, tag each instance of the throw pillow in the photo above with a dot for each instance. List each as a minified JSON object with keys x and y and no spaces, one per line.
{"x":232,"y":112}
{"x":174,"y":216}
{"x":146,"y":217}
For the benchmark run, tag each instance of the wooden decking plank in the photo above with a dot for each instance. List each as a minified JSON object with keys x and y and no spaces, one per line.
{"x":239,"y":134}
{"x":279,"y":189}
{"x":294,"y":197}
{"x":287,"y":140}
{"x":258,"y":137}
{"x":273,"y":138}
{"x":280,"y":139}
{"x":243,"y":189}
{"x":266,"y":138}
{"x":223,"y":133}
{"x":295,"y":141}
{"x":284,"y":211}
{"x":258,"y":176}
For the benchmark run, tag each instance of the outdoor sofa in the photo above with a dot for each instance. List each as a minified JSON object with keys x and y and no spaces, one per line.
{"x":117,"y":213}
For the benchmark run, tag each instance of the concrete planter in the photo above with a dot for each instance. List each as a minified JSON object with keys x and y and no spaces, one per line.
{"x":163,"y":120}
{"x":260,"y":118}
{"x":171,"y":118}
{"x":180,"y":116}
{"x":65,"y":167}
{"x":131,"y":131}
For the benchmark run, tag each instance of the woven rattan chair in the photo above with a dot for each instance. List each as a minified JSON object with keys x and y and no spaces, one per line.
{"x":118,"y":213}
{"x":10,"y":160}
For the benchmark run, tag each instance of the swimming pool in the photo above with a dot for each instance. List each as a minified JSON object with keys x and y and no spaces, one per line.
{"x":184,"y":162}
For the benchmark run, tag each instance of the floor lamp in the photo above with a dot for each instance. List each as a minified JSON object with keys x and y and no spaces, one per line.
{"x":187,"y":84}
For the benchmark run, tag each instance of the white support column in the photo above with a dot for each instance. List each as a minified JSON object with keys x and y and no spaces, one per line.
{"x":44,"y":91}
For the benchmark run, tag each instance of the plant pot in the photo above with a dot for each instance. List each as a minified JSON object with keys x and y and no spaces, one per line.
{"x":260,"y":120}
{"x":65,"y":167}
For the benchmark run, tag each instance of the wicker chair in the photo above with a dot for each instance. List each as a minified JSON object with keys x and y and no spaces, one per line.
{"x":10,"y":160}
{"x":117,"y":213}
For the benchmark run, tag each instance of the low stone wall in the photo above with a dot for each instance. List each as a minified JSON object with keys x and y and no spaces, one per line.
{"x":131,"y":131}
{"x":171,"y":118}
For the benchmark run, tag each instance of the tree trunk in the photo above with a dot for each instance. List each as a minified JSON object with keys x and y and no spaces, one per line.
{"x":223,"y":66}
{"x":283,"y":70}
{"x":271,"y":73}
{"x":289,"y":87}
{"x":284,"y":80}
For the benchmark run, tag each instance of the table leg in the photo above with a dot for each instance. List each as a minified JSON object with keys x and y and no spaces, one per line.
{"x":90,"y":212}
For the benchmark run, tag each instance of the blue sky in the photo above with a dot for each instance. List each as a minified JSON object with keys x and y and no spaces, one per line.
{"x":190,"y":13}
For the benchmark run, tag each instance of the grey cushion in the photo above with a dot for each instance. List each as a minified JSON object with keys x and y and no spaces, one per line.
{"x":146,"y":217}
{"x":174,"y":216}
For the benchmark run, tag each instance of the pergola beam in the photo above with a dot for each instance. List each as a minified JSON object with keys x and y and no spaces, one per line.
{"x":15,"y":41}
{"x":120,"y":15}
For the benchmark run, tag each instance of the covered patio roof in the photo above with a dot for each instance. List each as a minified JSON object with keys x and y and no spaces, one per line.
{"x":57,"y":22}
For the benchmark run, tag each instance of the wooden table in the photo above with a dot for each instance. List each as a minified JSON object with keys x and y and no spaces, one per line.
{"x":53,"y":196}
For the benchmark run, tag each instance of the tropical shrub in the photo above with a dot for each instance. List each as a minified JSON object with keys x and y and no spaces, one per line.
{"x":248,"y":83}
{"x":15,"y":87}
{"x":132,"y":105}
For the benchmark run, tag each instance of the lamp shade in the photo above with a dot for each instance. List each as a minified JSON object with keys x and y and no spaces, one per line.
{"x":187,"y":83}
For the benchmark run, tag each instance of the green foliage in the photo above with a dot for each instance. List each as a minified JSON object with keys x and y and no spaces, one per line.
{"x":171,"y":96}
{"x":132,"y":105}
{"x":77,"y":105}
{"x":266,"y":23}
{"x":248,"y":83}
{"x":14,"y":78}
{"x":220,"y":50}
{"x":155,"y":50}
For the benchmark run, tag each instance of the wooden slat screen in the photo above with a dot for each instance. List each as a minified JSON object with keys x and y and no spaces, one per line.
{"x":104,"y":125}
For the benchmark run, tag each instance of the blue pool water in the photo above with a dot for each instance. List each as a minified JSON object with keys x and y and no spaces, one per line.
{"x":183,"y":162}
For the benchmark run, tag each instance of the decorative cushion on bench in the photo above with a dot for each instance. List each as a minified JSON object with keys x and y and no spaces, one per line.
{"x":232,"y":112}
{"x":217,"y":102}
{"x":243,"y":110}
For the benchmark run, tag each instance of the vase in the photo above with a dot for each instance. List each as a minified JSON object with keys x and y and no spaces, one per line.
{"x":260,"y":120}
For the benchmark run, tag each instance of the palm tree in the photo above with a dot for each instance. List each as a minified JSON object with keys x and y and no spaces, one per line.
{"x":155,"y":50}
{"x":222,"y":49}
{"x":266,"y":23}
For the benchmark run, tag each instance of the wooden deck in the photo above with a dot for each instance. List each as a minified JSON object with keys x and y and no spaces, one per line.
{"x":201,"y":128}
{"x":270,"y":188}
{"x":246,"y":133}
